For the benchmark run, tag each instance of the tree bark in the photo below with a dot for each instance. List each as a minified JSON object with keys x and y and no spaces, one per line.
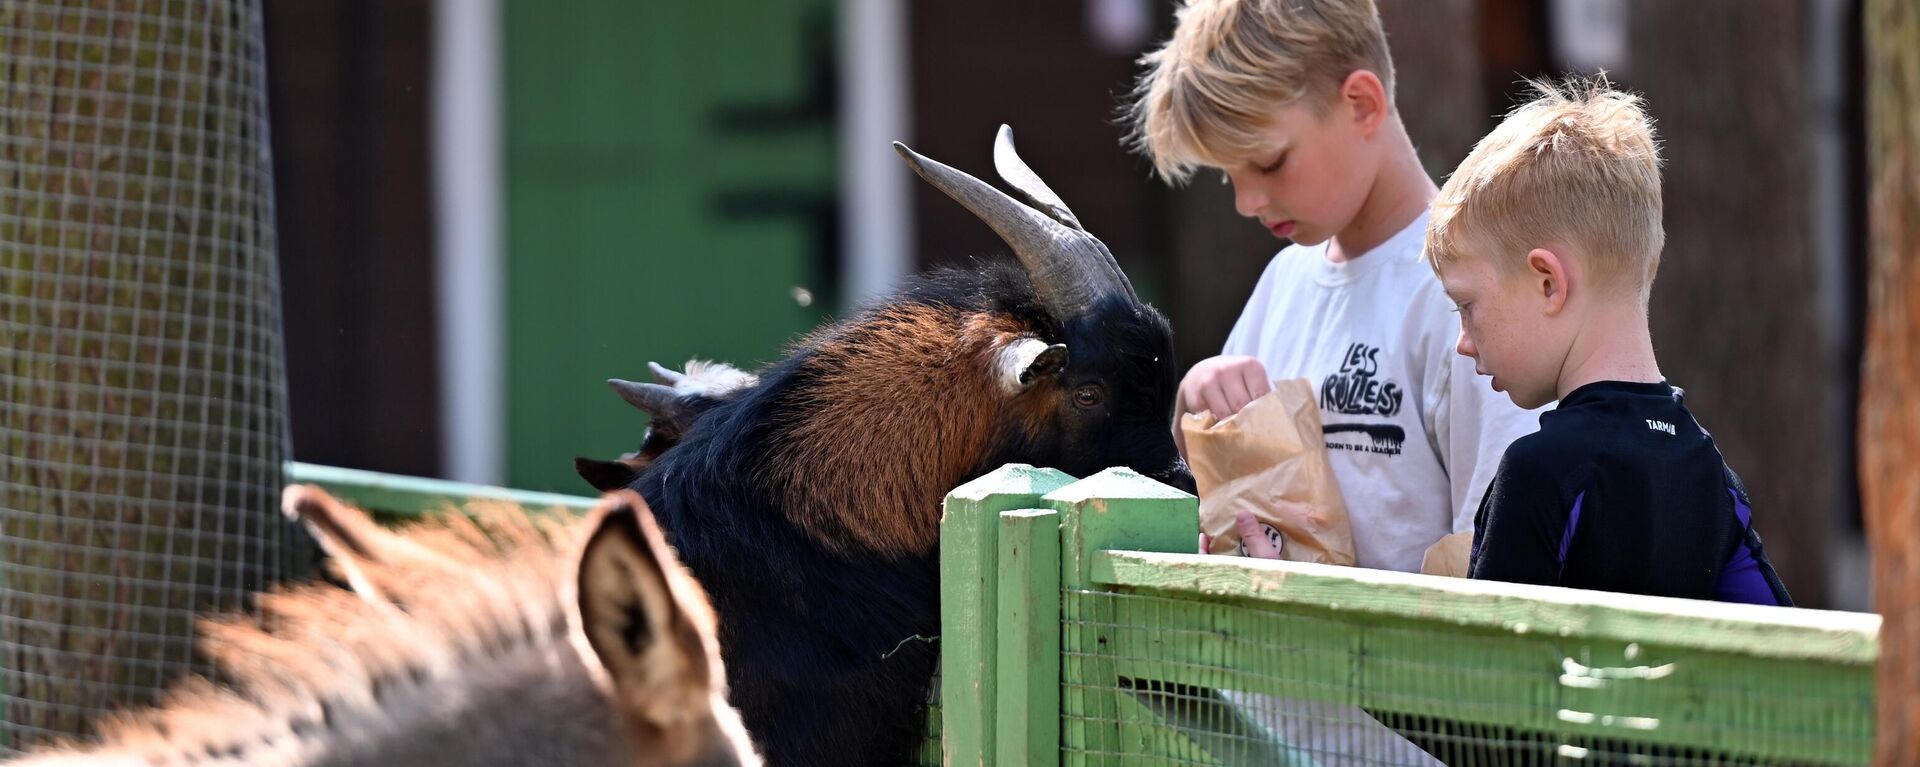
{"x":1890,"y":373}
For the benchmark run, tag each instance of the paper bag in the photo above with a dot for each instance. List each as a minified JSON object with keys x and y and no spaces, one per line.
{"x":1270,"y":459}
{"x":1448,"y":556}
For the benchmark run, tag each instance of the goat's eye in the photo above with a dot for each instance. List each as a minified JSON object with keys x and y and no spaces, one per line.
{"x":1088,"y":395}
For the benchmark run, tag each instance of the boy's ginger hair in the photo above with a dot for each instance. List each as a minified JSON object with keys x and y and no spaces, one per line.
{"x":1578,"y":167}
{"x":1209,"y":93}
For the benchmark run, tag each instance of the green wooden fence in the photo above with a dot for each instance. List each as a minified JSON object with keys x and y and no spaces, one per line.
{"x":1077,"y":629}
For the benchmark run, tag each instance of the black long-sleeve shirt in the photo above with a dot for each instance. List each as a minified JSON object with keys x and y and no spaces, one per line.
{"x":1622,"y":490}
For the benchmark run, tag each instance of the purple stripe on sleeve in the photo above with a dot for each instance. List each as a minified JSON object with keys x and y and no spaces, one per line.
{"x":1740,"y":579}
{"x":1566,"y":538}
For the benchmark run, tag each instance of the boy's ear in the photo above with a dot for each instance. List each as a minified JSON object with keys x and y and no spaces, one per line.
{"x":1367,"y":97}
{"x":1547,"y":275}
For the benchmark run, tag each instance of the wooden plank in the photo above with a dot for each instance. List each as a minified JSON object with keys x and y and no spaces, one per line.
{"x":1120,"y":509}
{"x":1027,"y":711}
{"x":1116,"y":508}
{"x":393,"y":495}
{"x":1889,"y":435}
{"x":969,"y":583}
{"x":1770,"y":632}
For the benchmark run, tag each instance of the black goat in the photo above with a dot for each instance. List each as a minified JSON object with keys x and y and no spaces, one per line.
{"x":808,"y":502}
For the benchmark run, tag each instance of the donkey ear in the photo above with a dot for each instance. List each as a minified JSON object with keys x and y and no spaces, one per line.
{"x":360,"y":551}
{"x":341,"y":530}
{"x":645,"y":619}
{"x":344,"y":533}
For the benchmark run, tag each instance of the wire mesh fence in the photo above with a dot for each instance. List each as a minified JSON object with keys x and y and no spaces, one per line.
{"x":1194,"y":682}
{"x":143,"y":427}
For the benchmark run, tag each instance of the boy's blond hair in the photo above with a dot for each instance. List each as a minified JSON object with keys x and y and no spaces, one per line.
{"x":1578,"y":167}
{"x":1211,"y":91}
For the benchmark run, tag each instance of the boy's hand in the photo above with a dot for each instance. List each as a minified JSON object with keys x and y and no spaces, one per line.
{"x":1253,"y":538}
{"x":1222,"y":385}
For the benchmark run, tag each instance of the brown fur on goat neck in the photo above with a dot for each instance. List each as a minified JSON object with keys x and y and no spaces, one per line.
{"x":918,"y":441}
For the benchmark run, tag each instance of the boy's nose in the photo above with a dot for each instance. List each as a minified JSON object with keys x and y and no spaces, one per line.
{"x":1465,"y":346}
{"x":1248,"y":200}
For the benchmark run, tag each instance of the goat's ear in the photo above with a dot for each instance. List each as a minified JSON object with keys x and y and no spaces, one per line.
{"x":644,"y":617}
{"x":1028,"y":361}
{"x":606,"y":476}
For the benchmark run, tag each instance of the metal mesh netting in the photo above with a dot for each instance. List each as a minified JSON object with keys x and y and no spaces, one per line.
{"x":143,"y":424}
{"x":1172,"y":680}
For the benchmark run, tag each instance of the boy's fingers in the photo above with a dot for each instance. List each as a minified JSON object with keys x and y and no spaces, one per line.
{"x":1206,"y":543}
{"x":1234,"y":389}
{"x":1253,"y":537}
{"x":1254,"y":378}
{"x":1215,"y":400}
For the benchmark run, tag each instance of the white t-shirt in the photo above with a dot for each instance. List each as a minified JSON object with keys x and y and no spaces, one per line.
{"x":1414,"y":434}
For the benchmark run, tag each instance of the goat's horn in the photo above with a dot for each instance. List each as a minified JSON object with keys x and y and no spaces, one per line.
{"x":665,"y":375}
{"x":658,"y":401}
{"x":1058,"y":259}
{"x":1028,"y":187}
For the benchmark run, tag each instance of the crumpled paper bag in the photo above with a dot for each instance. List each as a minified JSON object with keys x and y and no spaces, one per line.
{"x":1270,"y":459}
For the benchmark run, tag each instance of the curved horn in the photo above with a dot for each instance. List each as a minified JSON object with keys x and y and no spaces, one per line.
{"x":658,"y":401}
{"x":1028,"y":186}
{"x":665,"y":375}
{"x":1057,"y":258}
{"x":1026,"y":183}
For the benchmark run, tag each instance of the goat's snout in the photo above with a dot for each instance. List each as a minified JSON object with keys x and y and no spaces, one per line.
{"x":1178,"y":476}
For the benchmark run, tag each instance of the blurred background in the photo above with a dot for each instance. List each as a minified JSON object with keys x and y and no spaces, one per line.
{"x":486,"y":208}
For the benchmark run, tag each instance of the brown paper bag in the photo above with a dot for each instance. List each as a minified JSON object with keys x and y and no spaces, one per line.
{"x":1270,"y":459}
{"x":1448,"y":556}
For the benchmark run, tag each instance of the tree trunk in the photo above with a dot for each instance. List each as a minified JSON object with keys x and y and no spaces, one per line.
{"x":142,"y":432}
{"x":1890,"y":374}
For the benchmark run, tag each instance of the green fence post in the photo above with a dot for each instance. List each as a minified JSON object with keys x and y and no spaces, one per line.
{"x":1027,"y":711}
{"x":1115,"y":509}
{"x":969,"y":590}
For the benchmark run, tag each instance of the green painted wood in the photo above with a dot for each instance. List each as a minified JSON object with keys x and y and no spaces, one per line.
{"x":1731,"y":705}
{"x":1116,"y":508}
{"x":1769,"y":632}
{"x":671,"y":183}
{"x":969,"y":591}
{"x":1120,"y":509}
{"x":1736,"y":704}
{"x":1027,"y":693}
{"x":394,"y":495}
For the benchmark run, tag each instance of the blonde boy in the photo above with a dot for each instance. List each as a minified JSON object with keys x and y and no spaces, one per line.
{"x":1292,"y":100}
{"x":1547,"y":238}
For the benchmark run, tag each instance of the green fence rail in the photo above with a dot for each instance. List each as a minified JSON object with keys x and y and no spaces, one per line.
{"x":394,"y":497}
{"x":1076,"y":629}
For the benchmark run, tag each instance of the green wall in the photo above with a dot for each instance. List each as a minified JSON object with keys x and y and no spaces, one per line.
{"x":670,"y":182}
